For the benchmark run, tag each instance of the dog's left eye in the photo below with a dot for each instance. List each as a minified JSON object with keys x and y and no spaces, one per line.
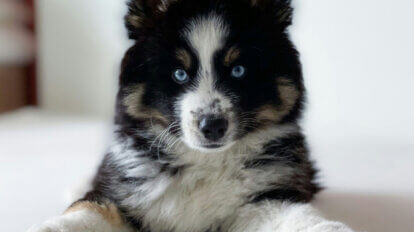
{"x":238,"y":71}
{"x":180,"y":76}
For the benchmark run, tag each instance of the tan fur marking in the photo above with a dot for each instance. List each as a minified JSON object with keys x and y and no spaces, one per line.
{"x":289,"y":95}
{"x":135,"y":17}
{"x":108,"y":211}
{"x":268,"y":113}
{"x":135,"y":109}
{"x":135,"y":20}
{"x":164,"y":4}
{"x":184,"y":57}
{"x":231,"y":56}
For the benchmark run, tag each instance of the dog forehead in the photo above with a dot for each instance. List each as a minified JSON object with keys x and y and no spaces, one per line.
{"x":206,"y":35}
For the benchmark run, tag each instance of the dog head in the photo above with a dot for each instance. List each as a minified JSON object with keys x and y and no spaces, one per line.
{"x":210,"y":71}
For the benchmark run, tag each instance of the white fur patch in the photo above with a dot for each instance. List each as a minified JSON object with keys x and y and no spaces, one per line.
{"x":206,"y":35}
{"x":282,"y":217}
{"x":135,"y":165}
{"x":83,"y":220}
{"x":123,"y":154}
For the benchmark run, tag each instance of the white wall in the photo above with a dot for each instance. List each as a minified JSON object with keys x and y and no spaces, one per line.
{"x":81,"y":44}
{"x":358,"y":65}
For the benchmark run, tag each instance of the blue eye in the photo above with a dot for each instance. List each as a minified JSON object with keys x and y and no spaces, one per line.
{"x":180,"y":76}
{"x":238,"y":71}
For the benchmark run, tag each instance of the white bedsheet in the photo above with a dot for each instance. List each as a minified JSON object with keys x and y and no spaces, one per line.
{"x":42,"y":155}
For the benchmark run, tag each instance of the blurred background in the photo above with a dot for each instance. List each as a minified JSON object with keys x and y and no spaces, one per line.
{"x":59,"y":65}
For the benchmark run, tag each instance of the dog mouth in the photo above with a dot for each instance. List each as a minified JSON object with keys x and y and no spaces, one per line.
{"x":213,"y":145}
{"x":209,"y":147}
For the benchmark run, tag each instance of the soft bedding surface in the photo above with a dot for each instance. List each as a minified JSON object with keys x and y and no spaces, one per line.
{"x":44,"y":156}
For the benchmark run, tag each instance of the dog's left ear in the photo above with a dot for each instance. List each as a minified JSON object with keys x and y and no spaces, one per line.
{"x":143,"y":14}
{"x":281,"y":9}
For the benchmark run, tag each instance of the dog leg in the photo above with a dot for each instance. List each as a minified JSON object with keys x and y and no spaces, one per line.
{"x":283,"y":217}
{"x":92,"y":214}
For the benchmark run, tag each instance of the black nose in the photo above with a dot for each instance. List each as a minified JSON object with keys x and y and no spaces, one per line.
{"x":213,"y":128}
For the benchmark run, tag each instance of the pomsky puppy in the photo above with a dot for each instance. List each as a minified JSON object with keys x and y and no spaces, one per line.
{"x":207,"y":136}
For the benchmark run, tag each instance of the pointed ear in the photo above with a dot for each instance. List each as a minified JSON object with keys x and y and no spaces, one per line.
{"x":281,"y":9}
{"x":143,"y":13}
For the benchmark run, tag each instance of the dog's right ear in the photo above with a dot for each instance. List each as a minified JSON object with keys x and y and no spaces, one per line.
{"x":280,"y":9}
{"x":142,"y":15}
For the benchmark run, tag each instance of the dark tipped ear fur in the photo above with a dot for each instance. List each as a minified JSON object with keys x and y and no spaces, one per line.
{"x":281,"y":9}
{"x":143,"y":14}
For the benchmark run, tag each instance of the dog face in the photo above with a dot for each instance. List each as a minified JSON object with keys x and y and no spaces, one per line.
{"x":210,"y":71}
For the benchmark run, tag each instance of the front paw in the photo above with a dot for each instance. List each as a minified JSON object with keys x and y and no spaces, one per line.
{"x":81,"y":221}
{"x":330,"y":227}
{"x":43,"y":228}
{"x":54,"y":225}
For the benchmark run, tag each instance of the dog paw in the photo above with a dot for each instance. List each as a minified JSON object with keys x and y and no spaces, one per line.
{"x":52,"y":226}
{"x":43,"y":229}
{"x":79,"y":221}
{"x":330,"y":227}
{"x":82,"y":221}
{"x":60,"y":224}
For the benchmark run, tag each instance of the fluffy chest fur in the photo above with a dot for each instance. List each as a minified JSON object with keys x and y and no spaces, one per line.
{"x":201,"y":196}
{"x":204,"y":193}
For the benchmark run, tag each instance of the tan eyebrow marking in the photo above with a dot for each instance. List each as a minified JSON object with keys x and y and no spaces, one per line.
{"x":185,"y":57}
{"x":231,"y":56}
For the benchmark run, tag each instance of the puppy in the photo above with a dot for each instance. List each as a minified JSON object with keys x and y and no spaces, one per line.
{"x":207,"y":136}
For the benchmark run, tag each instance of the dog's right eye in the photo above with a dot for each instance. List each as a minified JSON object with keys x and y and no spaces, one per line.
{"x":238,"y":71}
{"x":180,"y":76}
